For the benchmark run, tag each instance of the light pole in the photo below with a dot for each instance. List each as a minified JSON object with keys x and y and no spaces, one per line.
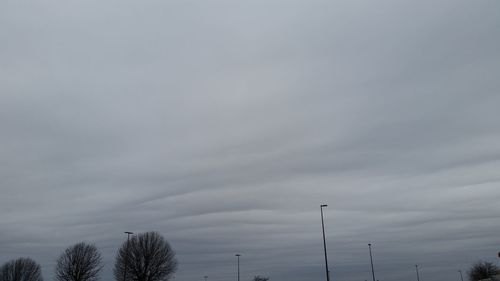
{"x":418,"y":277}
{"x":126,"y":255}
{"x":238,"y":256}
{"x":324,"y":242}
{"x":461,"y":276}
{"x":371,"y":260}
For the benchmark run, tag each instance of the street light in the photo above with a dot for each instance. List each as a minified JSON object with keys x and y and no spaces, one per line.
{"x":324,"y":242}
{"x":371,"y":260}
{"x":461,"y":276}
{"x":238,"y":256}
{"x":418,"y":277}
{"x":126,"y":255}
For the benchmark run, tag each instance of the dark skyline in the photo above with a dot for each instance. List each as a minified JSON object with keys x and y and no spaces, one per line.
{"x":223,"y":125}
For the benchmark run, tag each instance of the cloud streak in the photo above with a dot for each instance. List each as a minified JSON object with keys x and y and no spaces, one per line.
{"x":223,"y":125}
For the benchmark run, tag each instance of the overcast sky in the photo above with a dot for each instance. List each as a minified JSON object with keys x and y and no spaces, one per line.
{"x":224,"y":125}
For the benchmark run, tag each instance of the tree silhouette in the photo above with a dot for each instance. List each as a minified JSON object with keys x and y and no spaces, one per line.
{"x":80,"y":262}
{"x":22,"y":269}
{"x":482,"y":270}
{"x":146,"y":257}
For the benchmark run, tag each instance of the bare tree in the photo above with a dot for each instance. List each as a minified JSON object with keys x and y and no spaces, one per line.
{"x":80,"y":262}
{"x":22,"y":269}
{"x":260,"y":278}
{"x":482,"y":270}
{"x":146,"y":257}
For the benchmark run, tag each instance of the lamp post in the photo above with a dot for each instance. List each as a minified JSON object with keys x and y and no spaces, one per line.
{"x":324,"y":242}
{"x":126,"y":255}
{"x":238,"y":256}
{"x":461,"y":276}
{"x":418,"y":277}
{"x":371,"y":260}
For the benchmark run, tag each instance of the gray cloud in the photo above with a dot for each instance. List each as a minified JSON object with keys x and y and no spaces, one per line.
{"x":223,"y":125}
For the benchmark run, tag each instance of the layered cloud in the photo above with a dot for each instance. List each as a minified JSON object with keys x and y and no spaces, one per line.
{"x":225,"y":124}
